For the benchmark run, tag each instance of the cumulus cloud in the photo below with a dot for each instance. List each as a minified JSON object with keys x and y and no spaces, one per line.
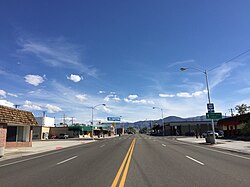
{"x":52,"y":108}
{"x":74,"y":78}
{"x":166,"y":95}
{"x":34,"y":80}
{"x":6,"y":103}
{"x":81,"y":97}
{"x":132,"y":97}
{"x":30,"y":106}
{"x":3,"y":93}
{"x":188,"y":95}
{"x":111,"y":97}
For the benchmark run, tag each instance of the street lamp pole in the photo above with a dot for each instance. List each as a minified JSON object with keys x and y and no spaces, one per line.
{"x":163,"y":128}
{"x":208,"y":94}
{"x":92,"y":118}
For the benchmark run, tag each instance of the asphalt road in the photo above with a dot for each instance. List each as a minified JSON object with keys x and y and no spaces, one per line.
{"x":130,"y":160}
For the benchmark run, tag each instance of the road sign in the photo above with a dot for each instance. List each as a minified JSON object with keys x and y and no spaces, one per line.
{"x":212,"y":115}
{"x":113,"y":118}
{"x":210,"y":108}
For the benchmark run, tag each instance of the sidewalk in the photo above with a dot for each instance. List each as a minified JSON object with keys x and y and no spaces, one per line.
{"x":40,"y":146}
{"x":227,"y":144}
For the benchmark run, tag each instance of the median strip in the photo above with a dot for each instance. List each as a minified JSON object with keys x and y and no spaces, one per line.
{"x":126,"y":161}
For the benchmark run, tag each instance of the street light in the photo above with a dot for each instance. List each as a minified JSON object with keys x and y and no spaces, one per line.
{"x":92,"y":120}
{"x":208,"y":94}
{"x":163,"y":133}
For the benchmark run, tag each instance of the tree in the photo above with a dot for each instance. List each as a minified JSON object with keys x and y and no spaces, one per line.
{"x":242,"y":109}
{"x":246,"y":129}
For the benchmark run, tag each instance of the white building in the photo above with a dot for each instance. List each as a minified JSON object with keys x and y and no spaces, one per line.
{"x":45,"y":121}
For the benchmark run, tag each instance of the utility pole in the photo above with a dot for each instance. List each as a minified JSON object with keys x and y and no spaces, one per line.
{"x":231,"y":110}
{"x":17,"y":106}
{"x":72,"y":120}
{"x":64,"y":120}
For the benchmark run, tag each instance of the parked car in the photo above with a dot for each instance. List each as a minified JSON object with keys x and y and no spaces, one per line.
{"x":221,"y":133}
{"x":205,"y":134}
{"x":53,"y":137}
{"x":63,"y":136}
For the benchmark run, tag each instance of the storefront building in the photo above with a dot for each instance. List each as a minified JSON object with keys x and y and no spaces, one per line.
{"x":16,"y":127}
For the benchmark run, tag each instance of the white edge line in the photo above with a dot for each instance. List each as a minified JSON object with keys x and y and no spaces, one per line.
{"x":66,"y":160}
{"x":163,"y":145}
{"x":210,"y":149}
{"x":102,"y":145}
{"x":195,"y":160}
{"x":43,"y":155}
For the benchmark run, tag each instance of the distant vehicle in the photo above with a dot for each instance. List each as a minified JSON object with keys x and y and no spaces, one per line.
{"x":63,"y":136}
{"x":53,"y":137}
{"x":221,"y":134}
{"x":205,"y":134}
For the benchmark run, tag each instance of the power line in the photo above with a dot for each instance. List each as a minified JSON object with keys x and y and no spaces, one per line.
{"x":235,"y":57}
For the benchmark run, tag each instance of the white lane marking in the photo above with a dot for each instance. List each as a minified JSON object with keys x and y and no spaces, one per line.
{"x":163,"y":145}
{"x":195,"y":160}
{"x":102,"y":145}
{"x":66,"y":160}
{"x":179,"y":141}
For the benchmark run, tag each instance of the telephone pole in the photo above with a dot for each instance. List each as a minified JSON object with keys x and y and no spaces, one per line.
{"x":231,"y":110}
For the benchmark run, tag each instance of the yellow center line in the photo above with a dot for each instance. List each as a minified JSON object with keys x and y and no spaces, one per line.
{"x":122,"y":166}
{"x":122,"y":183}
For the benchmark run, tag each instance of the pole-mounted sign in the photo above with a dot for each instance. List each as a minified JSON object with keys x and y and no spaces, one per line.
{"x":113,"y":118}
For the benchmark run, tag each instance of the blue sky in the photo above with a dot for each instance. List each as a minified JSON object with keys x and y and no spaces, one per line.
{"x":67,"y":56}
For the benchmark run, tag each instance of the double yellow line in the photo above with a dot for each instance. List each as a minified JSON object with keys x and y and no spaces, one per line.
{"x":126,"y":161}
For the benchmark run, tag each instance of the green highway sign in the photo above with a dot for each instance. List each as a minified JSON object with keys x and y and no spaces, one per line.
{"x":213,"y":115}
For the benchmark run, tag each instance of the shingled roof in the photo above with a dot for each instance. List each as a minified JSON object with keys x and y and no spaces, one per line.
{"x":15,"y":116}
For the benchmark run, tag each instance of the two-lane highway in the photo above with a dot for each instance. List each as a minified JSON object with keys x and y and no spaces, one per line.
{"x":130,"y":160}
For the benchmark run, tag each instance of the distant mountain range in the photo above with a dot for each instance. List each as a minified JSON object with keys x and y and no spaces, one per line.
{"x":147,"y":123}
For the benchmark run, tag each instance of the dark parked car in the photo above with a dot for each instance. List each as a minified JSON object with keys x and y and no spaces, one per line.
{"x":63,"y":136}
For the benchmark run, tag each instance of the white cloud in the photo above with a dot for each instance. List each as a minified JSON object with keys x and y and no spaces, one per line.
{"x":132,"y":97}
{"x":34,"y":79}
{"x":13,"y":95}
{"x":166,"y":95}
{"x":222,"y":72}
{"x":3,"y":93}
{"x":30,"y":106}
{"x":141,"y":101}
{"x":188,"y":95}
{"x":111,"y":97}
{"x":101,"y":92}
{"x":56,"y":52}
{"x":53,"y":108}
{"x":181,"y":62}
{"x":6,"y":103}
{"x":81,"y":97}
{"x":116,"y":98}
{"x":184,"y":94}
{"x":106,"y":109}
{"x":74,"y":78}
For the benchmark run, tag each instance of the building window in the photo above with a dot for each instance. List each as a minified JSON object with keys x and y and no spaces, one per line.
{"x":11,"y":134}
{"x":15,"y":134}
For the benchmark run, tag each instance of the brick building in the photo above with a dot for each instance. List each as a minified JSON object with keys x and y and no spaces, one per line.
{"x":16,"y":127}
